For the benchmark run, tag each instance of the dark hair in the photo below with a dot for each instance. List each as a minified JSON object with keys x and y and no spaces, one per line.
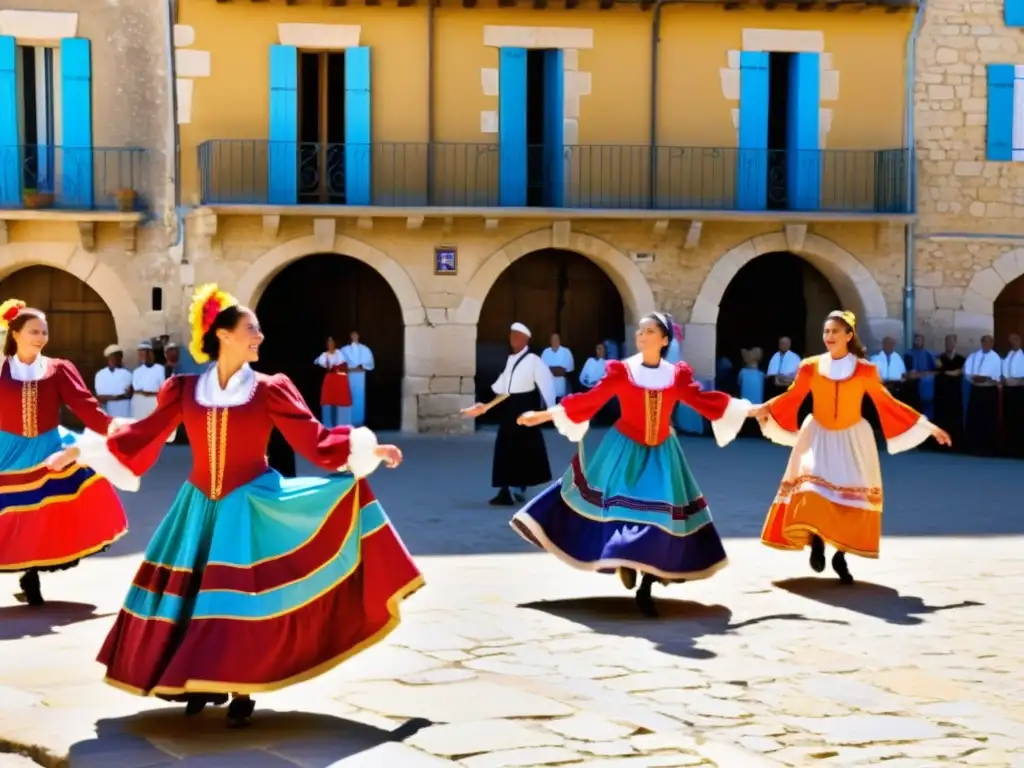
{"x":856,"y":346}
{"x":26,"y":314}
{"x":227,"y":319}
{"x":663,"y":321}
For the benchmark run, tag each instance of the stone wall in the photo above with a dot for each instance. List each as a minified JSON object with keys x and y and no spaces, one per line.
{"x":863,"y":262}
{"x":971,"y":210}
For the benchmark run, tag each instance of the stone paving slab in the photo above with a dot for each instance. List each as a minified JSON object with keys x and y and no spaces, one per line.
{"x":514,"y":660}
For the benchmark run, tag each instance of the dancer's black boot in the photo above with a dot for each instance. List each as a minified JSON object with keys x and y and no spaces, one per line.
{"x":30,"y":588}
{"x":240,"y":712}
{"x":198,"y":702}
{"x":817,"y":554}
{"x":644,"y":601}
{"x":841,"y":568}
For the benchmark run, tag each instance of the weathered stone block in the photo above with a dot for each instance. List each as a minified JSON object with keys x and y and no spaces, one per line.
{"x":446,"y":385}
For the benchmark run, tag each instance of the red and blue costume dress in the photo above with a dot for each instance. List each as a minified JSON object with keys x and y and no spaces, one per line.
{"x":634,"y":503}
{"x":252,"y":582}
{"x":49,"y":520}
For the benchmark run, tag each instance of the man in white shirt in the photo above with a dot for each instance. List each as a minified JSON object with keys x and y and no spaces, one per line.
{"x":984,"y":370}
{"x":1013,"y":398}
{"x":359,"y":359}
{"x":146,"y":382}
{"x":560,"y":360}
{"x":782,"y":369}
{"x":114,"y":384}
{"x":891,"y":367}
{"x":520,"y":455}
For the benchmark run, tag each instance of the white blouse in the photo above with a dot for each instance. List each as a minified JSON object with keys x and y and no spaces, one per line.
{"x":662,"y":377}
{"x":330,"y":359}
{"x":33,"y":371}
{"x":837,"y":369}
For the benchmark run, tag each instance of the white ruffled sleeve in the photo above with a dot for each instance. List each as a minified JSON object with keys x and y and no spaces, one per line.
{"x":362,"y":459}
{"x":731,"y":422}
{"x":911,"y":438}
{"x":571,"y":430}
{"x":94,"y":453}
{"x":774,"y":432}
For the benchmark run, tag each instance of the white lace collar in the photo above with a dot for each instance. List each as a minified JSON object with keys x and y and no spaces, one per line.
{"x":837,"y":369}
{"x":661,"y":377}
{"x":33,"y":371}
{"x":239,"y":390}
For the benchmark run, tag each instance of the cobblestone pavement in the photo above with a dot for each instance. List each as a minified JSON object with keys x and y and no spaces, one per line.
{"x":507,"y":658}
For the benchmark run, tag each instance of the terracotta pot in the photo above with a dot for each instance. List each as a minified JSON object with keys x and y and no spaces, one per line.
{"x":125,"y":200}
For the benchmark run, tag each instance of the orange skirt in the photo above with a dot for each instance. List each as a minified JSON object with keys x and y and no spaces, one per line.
{"x":832,"y":488}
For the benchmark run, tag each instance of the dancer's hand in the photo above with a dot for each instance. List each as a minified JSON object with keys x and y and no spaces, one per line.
{"x":759,"y":413}
{"x":942,"y":436}
{"x":63,"y":459}
{"x":533,"y":418}
{"x":391,"y":455}
{"x":473,"y":411}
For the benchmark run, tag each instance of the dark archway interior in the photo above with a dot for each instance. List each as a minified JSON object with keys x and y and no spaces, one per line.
{"x":774,"y":295}
{"x":551,"y":291}
{"x":332,"y":295}
{"x":1009,"y":313}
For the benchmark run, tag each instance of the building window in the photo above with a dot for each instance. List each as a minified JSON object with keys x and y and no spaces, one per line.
{"x":38,"y":99}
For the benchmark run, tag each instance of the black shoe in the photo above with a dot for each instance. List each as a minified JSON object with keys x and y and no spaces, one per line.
{"x":503,"y":499}
{"x":644,"y":601}
{"x":817,"y":554}
{"x":30,"y":588}
{"x":841,"y":568}
{"x":199,"y":702}
{"x":240,"y":712}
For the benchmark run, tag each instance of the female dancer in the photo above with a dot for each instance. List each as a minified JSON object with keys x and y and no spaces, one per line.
{"x":335,"y":393}
{"x":48,"y":520}
{"x":634,"y":505}
{"x":252,"y":582}
{"x":832,"y":490}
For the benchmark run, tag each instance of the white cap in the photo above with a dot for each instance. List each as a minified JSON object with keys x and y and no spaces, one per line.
{"x":170,"y":345}
{"x":112,"y":349}
{"x":520,"y":328}
{"x":144,"y":345}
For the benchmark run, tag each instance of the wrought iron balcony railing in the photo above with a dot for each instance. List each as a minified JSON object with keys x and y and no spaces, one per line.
{"x":584,"y":176}
{"x":72,"y":178}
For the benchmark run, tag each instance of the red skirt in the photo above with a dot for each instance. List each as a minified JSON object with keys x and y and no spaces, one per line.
{"x":335,"y":389}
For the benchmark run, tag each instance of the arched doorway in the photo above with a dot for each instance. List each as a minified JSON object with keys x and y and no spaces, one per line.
{"x":776,"y":294}
{"x":551,"y":291}
{"x":329,"y":294}
{"x":1009,"y":313}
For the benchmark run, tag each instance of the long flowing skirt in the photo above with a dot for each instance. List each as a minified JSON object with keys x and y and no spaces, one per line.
{"x":627,"y":506}
{"x":276,"y":583}
{"x":50,"y":520}
{"x":832,"y":488}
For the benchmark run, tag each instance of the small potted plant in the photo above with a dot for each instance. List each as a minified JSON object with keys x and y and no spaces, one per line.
{"x":125,"y":199}
{"x":35,"y":199}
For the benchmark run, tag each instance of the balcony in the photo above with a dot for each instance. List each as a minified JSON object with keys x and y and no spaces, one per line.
{"x":613,"y":180}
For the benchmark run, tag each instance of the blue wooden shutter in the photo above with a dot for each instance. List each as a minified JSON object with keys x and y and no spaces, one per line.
{"x":10,"y":152}
{"x":554,"y":128}
{"x":1000,"y":112}
{"x":283,"y":146}
{"x":803,"y":157}
{"x":512,"y":151}
{"x":358,"y":133}
{"x":1013,"y":13}
{"x":752,"y":162}
{"x":76,"y":123}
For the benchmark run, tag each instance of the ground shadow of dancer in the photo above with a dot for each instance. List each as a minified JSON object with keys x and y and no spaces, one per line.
{"x":17,"y":621}
{"x":869,"y":599}
{"x":677,"y":631}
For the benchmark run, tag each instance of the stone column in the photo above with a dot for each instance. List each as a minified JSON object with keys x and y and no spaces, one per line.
{"x":440,"y":365}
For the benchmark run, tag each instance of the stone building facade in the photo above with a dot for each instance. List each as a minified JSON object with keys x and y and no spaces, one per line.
{"x":970,"y":230}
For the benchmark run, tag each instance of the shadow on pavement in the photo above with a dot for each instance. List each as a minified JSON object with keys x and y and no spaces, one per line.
{"x":868,"y":599}
{"x":273,"y":740}
{"x":18,"y":621}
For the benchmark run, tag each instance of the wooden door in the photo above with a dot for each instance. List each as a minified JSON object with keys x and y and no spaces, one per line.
{"x":333,"y":295}
{"x":1009,"y":313}
{"x":80,"y":323}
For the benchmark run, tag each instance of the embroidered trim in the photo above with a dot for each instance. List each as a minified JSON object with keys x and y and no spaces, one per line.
{"x":872,"y":494}
{"x":217,"y":445}
{"x":598,"y":499}
{"x":30,"y":409}
{"x":652,"y":415}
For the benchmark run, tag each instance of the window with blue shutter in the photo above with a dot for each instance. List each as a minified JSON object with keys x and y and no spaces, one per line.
{"x":1013,"y":13}
{"x":283,"y":134}
{"x":76,"y":124}
{"x":554,"y":128}
{"x":10,"y":155}
{"x":358,"y":127}
{"x":512,"y":149}
{"x":999,"y":140}
{"x":752,"y":160}
{"x":803,"y":158}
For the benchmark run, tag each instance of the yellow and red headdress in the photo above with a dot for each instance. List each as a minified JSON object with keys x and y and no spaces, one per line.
{"x":207,"y":302}
{"x":9,"y":310}
{"x":850,"y":318}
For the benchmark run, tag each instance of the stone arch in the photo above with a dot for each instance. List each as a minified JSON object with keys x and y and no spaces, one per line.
{"x":637,"y":297}
{"x":87,"y":267}
{"x":986,"y":285}
{"x":853,"y":283}
{"x":259,"y":274}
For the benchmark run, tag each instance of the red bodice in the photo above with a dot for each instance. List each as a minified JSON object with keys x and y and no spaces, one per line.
{"x":229,"y":445}
{"x":646,"y":414}
{"x":32,"y":408}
